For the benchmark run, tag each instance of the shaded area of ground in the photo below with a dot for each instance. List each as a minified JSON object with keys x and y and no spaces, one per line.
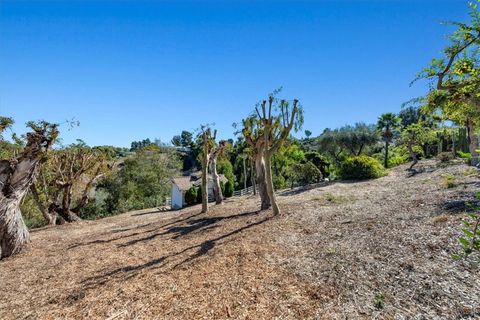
{"x":358,"y":250}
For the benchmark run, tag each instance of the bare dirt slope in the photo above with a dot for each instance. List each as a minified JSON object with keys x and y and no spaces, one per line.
{"x":375,"y":249}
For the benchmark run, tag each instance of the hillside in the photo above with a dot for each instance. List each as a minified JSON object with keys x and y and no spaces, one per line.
{"x":356,"y":250}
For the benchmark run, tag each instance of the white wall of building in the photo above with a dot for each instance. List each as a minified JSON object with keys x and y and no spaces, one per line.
{"x":177,"y":197}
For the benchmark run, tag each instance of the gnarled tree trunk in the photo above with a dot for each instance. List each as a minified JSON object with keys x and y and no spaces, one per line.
{"x":261,"y":181}
{"x":16,"y":177}
{"x":217,"y":190}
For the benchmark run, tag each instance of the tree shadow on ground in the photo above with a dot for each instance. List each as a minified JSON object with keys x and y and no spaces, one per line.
{"x":302,"y":189}
{"x":192,"y":226}
{"x":191,"y":253}
{"x":101,"y":241}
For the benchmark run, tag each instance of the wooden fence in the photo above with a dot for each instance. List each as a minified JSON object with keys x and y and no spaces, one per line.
{"x":244,"y":192}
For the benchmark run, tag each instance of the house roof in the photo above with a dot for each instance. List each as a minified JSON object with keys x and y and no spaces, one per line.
{"x":195,"y":179}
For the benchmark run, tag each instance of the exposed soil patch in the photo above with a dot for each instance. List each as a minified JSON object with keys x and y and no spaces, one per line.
{"x":358,"y":250}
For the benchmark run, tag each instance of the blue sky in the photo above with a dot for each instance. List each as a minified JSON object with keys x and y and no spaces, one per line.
{"x":128,"y":70}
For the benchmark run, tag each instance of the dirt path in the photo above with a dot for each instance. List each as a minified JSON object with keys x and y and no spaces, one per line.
{"x":375,"y":249}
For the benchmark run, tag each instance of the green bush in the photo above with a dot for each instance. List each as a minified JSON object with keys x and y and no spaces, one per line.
{"x":465,"y":155}
{"x":445,"y":156}
{"x":228,"y":189}
{"x":222,"y":187}
{"x":191,"y":195}
{"x":361,"y":167}
{"x":199,"y":194}
{"x":396,"y":161}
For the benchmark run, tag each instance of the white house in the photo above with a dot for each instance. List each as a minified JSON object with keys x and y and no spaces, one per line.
{"x":180,"y":185}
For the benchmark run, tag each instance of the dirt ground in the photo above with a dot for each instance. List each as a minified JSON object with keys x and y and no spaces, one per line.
{"x":377,"y":249}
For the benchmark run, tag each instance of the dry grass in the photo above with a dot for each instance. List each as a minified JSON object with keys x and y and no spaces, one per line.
{"x":344,"y":250}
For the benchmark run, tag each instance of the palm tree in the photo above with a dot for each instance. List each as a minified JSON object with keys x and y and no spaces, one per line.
{"x":387,"y":124}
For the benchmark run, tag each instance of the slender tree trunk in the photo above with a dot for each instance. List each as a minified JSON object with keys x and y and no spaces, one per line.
{"x":252,"y":177}
{"x":472,"y":142}
{"x":269,"y":184}
{"x":386,"y":153}
{"x":49,"y":216}
{"x":262,"y":185}
{"x":244,"y":172}
{"x":205,"y":180}
{"x":217,"y":190}
{"x":413,"y":155}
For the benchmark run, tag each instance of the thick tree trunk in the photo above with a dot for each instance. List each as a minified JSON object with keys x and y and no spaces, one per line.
{"x":262,"y":186}
{"x":269,"y":185}
{"x":15,"y":182}
{"x":472,"y":142}
{"x":217,"y":190}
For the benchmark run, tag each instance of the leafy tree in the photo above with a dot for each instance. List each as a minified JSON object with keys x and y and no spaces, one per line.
{"x":177,"y":141}
{"x":319,"y":161}
{"x":142,"y":181}
{"x":456,"y":79}
{"x":414,"y":137}
{"x":139,"y":145}
{"x":71,"y":171}
{"x":387,"y":124}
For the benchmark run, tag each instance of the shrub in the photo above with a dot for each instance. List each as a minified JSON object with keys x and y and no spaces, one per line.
{"x":449,"y":181}
{"x":396,"y":161}
{"x":467,"y":156}
{"x":228,"y":189}
{"x":199,"y":194}
{"x":361,"y":167}
{"x":445,"y":156}
{"x":304,"y":173}
{"x":191,"y":195}
{"x":222,"y":187}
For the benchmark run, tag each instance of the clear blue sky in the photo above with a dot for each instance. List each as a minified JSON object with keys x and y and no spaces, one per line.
{"x":129,"y":70}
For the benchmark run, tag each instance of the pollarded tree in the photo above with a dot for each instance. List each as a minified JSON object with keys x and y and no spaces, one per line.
{"x":456,"y":79}
{"x":215,"y":152}
{"x":210,"y":153}
{"x":16,"y":177}
{"x":75,"y":169}
{"x":387,"y":124}
{"x":277,"y":121}
{"x":253,"y":134}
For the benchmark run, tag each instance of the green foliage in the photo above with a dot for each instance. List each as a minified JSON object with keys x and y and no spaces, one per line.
{"x":349,"y":140}
{"x":361,"y":167}
{"x":449,"y":181}
{"x":465,"y":155}
{"x":304,"y":173}
{"x":225,"y":167}
{"x":142,"y":182}
{"x":319,"y":161}
{"x":199,"y":194}
{"x":379,"y":301}
{"x":191,"y":195}
{"x":228,"y":189}
{"x":470,"y":241}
